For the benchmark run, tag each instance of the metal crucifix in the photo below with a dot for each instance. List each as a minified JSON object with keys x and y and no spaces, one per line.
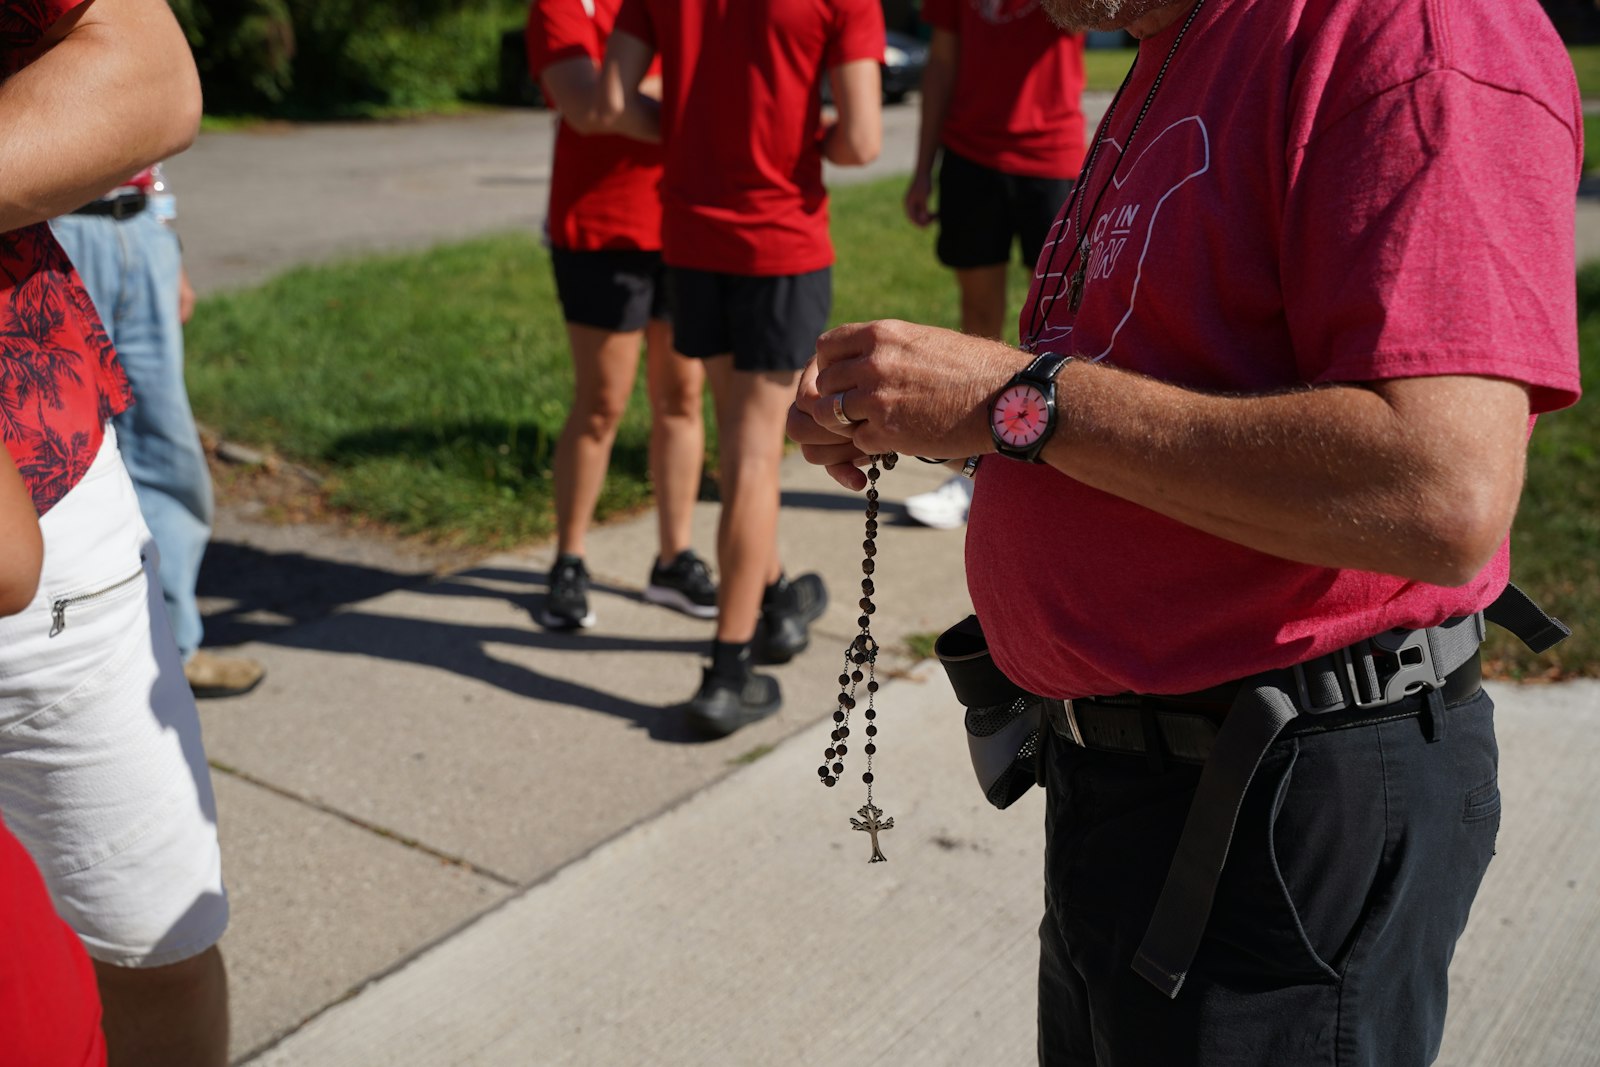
{"x":869,"y":822}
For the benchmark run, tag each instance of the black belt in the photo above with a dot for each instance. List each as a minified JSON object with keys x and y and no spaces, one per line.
{"x":1183,"y":728}
{"x":121,"y":207}
{"x":1227,"y":730}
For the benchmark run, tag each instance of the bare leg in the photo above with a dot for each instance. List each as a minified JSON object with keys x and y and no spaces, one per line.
{"x":172,"y":1016}
{"x":604,"y":365}
{"x":677,"y":436}
{"x":983,"y":300}
{"x":751,"y":408}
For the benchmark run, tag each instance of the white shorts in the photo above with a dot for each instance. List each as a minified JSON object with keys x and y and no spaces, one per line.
{"x":102,"y":774}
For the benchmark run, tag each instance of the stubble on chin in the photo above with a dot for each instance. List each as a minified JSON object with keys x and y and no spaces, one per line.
{"x":1080,"y":16}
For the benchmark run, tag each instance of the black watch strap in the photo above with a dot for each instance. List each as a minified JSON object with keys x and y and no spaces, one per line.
{"x":1044,"y":368}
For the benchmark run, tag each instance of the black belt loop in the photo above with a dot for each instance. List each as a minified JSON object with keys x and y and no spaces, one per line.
{"x":1041,"y":774}
{"x":116,"y":208}
{"x":1155,"y":747}
{"x":1433,"y":716}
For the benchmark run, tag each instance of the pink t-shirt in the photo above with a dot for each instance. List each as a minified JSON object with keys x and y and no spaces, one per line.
{"x":1322,"y":191}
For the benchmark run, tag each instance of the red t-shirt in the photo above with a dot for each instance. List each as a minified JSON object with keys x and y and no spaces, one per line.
{"x":741,"y":120}
{"x":1018,"y":84}
{"x":49,"y":1004}
{"x":59,"y":377}
{"x":1338,"y":191}
{"x":604,"y":189}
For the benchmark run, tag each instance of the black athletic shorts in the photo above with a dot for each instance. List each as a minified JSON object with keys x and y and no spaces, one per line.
{"x":619,"y":290}
{"x":768,"y":323}
{"x":982,"y":211}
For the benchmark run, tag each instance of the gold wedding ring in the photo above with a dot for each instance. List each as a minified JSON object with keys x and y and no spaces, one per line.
{"x":838,"y":411}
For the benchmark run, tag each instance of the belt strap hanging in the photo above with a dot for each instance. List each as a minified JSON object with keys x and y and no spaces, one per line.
{"x":1262,"y":708}
{"x":1516,"y":611}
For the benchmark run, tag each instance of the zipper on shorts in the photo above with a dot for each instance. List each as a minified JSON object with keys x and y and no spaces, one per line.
{"x":58,"y":610}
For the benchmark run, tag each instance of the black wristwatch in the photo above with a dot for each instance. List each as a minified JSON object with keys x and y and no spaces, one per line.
{"x":1023,"y":416}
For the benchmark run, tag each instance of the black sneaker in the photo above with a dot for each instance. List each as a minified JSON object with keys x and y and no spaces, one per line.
{"x":566,"y":605}
{"x":787,"y":611}
{"x":723,"y":706}
{"x":684,"y":585}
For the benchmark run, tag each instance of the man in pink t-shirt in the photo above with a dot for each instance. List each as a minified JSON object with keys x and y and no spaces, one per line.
{"x":744,"y":233}
{"x":1000,"y":115}
{"x":1314,"y":281}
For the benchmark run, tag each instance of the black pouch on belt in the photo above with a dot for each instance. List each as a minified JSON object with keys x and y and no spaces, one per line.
{"x":1003,"y":720}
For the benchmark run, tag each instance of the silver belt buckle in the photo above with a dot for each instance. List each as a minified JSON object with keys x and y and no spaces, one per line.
{"x":1065,"y":721}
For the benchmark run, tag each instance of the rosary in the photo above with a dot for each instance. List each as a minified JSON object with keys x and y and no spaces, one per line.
{"x":861,"y":653}
{"x":863,"y":649}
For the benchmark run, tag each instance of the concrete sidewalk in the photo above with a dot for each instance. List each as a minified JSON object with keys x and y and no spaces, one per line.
{"x":453,"y":838}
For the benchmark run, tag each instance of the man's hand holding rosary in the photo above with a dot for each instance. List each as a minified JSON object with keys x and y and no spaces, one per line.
{"x":890,"y":386}
{"x":873,"y":390}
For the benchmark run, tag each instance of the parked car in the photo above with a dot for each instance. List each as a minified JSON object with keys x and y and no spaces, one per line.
{"x":904,"y":59}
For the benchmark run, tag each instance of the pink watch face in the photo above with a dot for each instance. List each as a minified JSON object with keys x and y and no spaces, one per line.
{"x":1020,"y":415}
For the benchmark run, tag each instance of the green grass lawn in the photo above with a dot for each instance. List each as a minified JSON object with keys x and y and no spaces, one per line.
{"x":430,"y":388}
{"x":1586,"y":61}
{"x":1555,"y":544}
{"x":1105,"y":67}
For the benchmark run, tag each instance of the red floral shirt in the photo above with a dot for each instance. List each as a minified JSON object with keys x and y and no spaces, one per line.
{"x":59,"y":376}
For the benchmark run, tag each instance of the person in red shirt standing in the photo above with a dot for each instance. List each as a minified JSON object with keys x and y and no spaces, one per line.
{"x":103,"y":776}
{"x":605,"y":236}
{"x":1243,"y":507}
{"x":745,"y":235}
{"x":1001,"y":117}
{"x":48,"y":1001}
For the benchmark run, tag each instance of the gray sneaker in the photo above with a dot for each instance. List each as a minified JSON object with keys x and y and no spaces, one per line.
{"x":566,"y":605}
{"x":684,"y":585}
{"x":787,"y":611}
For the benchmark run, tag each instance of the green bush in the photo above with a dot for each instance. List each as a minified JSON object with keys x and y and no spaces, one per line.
{"x":332,"y":58}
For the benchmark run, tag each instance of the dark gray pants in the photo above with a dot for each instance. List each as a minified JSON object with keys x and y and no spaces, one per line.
{"x":1356,"y":859}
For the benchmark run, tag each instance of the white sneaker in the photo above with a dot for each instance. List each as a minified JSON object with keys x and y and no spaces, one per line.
{"x":945,"y":508}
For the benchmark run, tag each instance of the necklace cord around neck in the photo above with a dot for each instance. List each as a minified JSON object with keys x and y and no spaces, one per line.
{"x":1043,"y":305}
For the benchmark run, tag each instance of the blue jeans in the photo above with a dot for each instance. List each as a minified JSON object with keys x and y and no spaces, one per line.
{"x":131,"y":270}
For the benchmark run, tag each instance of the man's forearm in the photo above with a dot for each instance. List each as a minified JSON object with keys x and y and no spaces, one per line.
{"x":938,"y":82}
{"x":117,"y":93}
{"x":623,"y":107}
{"x":1418,"y":477}
{"x":640,"y":119}
{"x":575,"y":87}
{"x":856,"y":137}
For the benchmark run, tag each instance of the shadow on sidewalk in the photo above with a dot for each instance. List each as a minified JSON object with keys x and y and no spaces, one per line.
{"x":891,"y":510}
{"x":295,"y":601}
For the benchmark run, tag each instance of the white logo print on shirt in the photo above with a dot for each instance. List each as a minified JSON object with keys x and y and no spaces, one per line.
{"x":1183,"y":149}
